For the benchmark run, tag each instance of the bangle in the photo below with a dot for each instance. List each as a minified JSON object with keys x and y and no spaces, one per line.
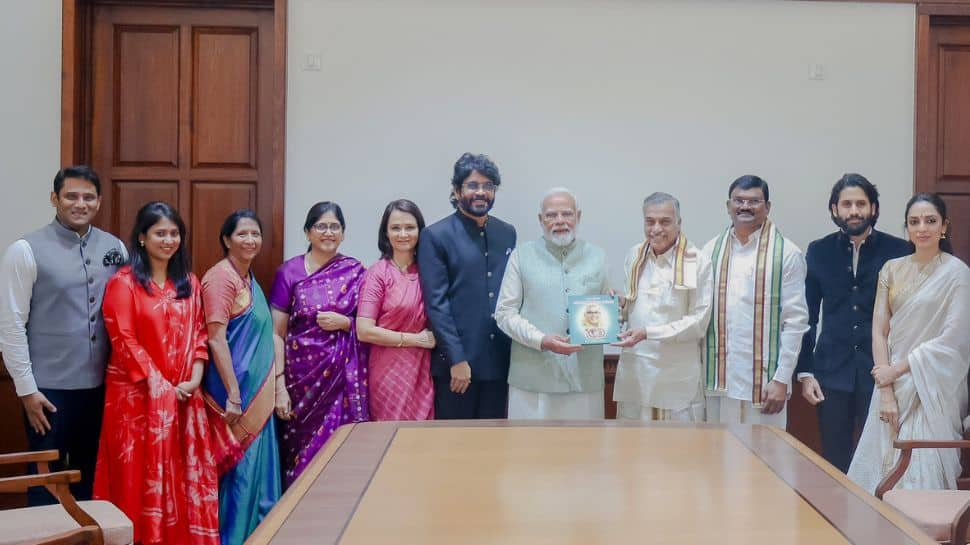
{"x":234,"y":402}
{"x":401,"y":342}
{"x":278,"y":375}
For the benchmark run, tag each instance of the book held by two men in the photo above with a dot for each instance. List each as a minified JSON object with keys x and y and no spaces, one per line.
{"x":593,"y":319}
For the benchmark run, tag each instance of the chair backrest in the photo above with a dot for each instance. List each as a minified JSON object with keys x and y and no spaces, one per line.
{"x":58,"y":483}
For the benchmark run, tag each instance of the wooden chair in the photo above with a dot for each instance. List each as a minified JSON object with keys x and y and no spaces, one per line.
{"x":70,"y":523}
{"x":943,"y":514}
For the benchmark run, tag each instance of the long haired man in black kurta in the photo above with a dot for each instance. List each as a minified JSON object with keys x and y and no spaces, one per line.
{"x":461,"y":261}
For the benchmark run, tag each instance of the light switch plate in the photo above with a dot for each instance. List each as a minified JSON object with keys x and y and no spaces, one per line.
{"x":312,"y":60}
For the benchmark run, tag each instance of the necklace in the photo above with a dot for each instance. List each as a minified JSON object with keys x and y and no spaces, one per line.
{"x":244,"y":278}
{"x":306,"y":264}
{"x":403,"y":269}
{"x":925,"y":269}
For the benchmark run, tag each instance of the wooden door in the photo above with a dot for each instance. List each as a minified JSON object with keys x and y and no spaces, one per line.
{"x":943,"y":115}
{"x":182,"y":112}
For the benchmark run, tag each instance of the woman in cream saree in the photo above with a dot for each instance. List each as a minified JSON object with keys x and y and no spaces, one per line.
{"x":921,"y":366}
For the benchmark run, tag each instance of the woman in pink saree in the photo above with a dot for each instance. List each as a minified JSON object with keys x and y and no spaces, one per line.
{"x":314,"y":302}
{"x":391,"y":318}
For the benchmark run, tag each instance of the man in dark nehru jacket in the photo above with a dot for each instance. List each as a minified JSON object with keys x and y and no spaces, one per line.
{"x":51,"y":331}
{"x":462,"y":260}
{"x":843,"y":269}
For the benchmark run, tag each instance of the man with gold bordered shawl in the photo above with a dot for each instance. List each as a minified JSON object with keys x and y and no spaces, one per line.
{"x":667,"y":305}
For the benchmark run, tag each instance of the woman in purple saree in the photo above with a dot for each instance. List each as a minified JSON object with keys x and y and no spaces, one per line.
{"x":314,"y":300}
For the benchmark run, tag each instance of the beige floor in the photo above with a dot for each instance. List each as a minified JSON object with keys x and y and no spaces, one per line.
{"x":579,"y":485}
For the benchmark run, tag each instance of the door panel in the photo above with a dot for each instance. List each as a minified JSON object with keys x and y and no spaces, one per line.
{"x":182,"y":112}
{"x":224,"y":112}
{"x":130,"y":191}
{"x":954,"y":112}
{"x":146,"y":75}
{"x":213,"y":201}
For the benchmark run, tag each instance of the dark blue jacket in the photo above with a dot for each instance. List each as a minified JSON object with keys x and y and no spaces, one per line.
{"x":844,"y":348}
{"x":461,"y":268}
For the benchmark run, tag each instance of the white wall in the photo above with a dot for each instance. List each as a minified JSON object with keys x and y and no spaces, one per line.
{"x":30,"y":114}
{"x":615,"y":99}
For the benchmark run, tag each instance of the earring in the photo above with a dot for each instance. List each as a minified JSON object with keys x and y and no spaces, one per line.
{"x":943,"y":236}
{"x":141,"y":243}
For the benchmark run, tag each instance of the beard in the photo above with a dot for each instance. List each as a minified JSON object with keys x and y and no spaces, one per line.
{"x":478,"y":210}
{"x":561,"y":240}
{"x":853,"y":230}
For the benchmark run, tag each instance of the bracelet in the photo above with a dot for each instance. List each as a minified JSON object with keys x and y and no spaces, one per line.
{"x":234,"y":402}
{"x":278,"y":375}
{"x":401,"y":342}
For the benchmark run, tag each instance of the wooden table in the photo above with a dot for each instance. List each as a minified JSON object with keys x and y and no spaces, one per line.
{"x":507,"y":482}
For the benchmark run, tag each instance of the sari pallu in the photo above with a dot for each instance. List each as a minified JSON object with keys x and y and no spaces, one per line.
{"x":250,"y":482}
{"x":326,"y":371}
{"x":928,"y":328}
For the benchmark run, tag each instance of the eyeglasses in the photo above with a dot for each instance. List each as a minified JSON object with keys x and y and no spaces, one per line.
{"x":487,"y":187}
{"x":553,"y":216}
{"x":753,"y":203}
{"x":324,"y":227}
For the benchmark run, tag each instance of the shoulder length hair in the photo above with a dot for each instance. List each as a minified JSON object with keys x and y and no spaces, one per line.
{"x":178,"y":266}
{"x":401,"y":205}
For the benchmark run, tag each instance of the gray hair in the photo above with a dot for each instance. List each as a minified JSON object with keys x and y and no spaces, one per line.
{"x":662,"y":198}
{"x":558,"y":191}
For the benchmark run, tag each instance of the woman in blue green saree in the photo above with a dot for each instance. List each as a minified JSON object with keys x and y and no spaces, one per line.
{"x":244,"y":383}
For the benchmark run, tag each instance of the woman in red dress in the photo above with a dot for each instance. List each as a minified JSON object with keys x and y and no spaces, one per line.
{"x":158,"y":454}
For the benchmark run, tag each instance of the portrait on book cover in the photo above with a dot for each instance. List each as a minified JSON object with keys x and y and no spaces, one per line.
{"x":593,"y":321}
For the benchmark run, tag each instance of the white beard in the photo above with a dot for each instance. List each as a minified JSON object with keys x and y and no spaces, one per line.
{"x":561,"y":240}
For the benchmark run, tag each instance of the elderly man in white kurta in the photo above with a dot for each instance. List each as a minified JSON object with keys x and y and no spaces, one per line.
{"x":667,"y":304}
{"x":549,"y":378}
{"x":758,"y":314}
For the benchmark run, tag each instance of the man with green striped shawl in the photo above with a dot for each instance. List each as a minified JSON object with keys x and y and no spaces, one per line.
{"x":758,"y":313}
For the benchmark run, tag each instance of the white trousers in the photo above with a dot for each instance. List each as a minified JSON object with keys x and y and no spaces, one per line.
{"x":724,"y":410}
{"x":526,"y":405}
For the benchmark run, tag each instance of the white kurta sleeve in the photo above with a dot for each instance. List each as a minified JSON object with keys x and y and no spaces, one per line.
{"x":794,"y":315}
{"x":507,"y":315}
{"x":18,"y":272}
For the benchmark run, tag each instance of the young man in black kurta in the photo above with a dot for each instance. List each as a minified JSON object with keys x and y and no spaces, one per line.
{"x":843,"y":269}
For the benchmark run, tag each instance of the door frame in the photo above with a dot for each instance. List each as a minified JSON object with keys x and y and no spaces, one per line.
{"x":923,"y":151}
{"x":77,"y":71}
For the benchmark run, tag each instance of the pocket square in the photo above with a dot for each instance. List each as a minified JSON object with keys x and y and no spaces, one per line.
{"x":113,"y":257}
